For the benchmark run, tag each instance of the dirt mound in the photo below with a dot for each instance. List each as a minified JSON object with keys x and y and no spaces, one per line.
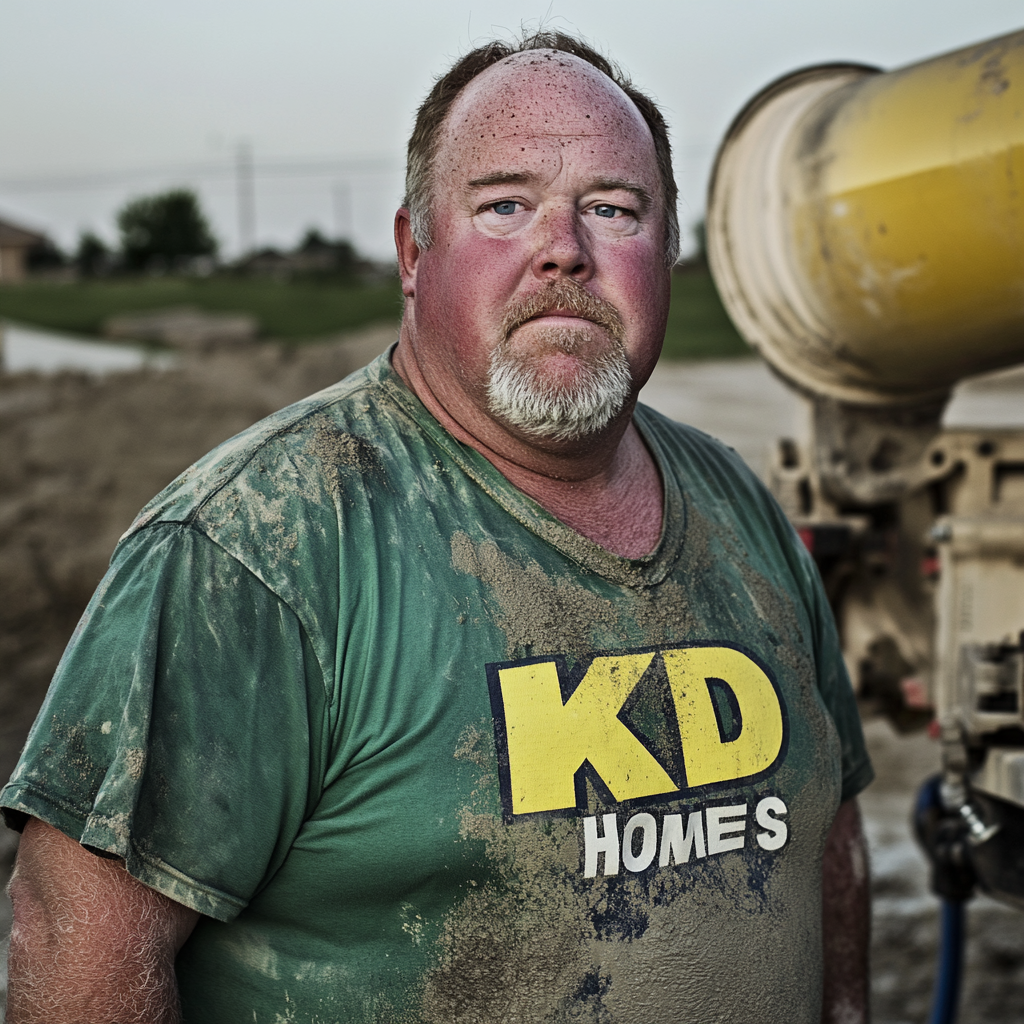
{"x":80,"y":455}
{"x":184,"y":327}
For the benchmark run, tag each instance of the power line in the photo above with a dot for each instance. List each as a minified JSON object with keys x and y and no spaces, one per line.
{"x":315,"y":167}
{"x":246,"y":197}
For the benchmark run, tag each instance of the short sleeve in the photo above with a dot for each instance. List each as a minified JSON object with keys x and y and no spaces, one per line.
{"x":183,"y":730}
{"x":836,"y":689}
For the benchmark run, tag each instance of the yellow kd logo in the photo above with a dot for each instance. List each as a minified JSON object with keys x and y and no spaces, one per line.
{"x":731,"y":726}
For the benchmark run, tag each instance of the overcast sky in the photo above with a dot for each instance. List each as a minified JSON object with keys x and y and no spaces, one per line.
{"x":106,"y":99}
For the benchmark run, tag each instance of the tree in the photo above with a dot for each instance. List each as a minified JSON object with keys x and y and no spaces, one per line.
{"x":164,"y":231}
{"x":700,"y":236}
{"x":44,"y":255}
{"x":313,"y":239}
{"x":92,"y":257}
{"x":318,"y":254}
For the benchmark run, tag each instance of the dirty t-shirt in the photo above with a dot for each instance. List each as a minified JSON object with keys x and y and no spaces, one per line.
{"x":419,"y":752}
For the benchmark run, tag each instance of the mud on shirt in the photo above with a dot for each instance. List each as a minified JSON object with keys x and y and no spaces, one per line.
{"x":419,"y":752}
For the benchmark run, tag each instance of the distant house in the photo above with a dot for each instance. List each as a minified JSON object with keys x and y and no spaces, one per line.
{"x":15,"y":243}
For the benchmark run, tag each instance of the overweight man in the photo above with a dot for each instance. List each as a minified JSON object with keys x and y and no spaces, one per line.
{"x":466,"y":690}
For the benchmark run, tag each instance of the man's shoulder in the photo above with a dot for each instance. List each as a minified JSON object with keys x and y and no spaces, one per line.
{"x":298,"y":454}
{"x":681,"y":443}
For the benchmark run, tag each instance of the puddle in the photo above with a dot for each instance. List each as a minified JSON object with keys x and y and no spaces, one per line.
{"x":27,"y":348}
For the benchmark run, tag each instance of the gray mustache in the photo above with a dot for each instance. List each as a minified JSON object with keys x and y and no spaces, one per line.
{"x":567,"y":295}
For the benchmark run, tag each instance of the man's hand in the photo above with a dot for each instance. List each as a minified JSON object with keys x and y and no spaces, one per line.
{"x":846,"y":920}
{"x":89,"y":943}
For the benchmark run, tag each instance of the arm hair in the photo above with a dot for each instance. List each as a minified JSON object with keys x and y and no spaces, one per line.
{"x":89,"y":942}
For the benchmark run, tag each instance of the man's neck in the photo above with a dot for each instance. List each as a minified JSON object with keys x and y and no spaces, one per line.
{"x":608,"y":489}
{"x":620,"y":509}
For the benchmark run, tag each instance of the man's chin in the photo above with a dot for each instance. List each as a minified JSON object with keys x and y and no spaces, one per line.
{"x":558,"y":396}
{"x":556,"y":371}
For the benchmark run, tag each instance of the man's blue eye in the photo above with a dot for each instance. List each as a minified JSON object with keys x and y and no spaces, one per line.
{"x":605,"y":210}
{"x":506,"y":208}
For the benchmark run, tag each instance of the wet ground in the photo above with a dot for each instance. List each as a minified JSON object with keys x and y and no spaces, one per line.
{"x":112,"y":443}
{"x":905,"y":914}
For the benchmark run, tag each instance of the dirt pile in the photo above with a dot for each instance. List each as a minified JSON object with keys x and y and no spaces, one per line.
{"x":80,"y":455}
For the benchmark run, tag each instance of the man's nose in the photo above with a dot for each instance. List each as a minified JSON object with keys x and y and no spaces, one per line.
{"x":562,"y":246}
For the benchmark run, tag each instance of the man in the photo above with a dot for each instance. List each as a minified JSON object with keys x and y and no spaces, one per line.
{"x":461,"y":691}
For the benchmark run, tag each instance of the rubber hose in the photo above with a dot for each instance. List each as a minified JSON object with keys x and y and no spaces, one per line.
{"x":946,"y":1000}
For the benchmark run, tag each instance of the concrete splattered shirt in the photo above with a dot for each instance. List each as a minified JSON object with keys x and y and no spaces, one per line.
{"x":419,"y":752}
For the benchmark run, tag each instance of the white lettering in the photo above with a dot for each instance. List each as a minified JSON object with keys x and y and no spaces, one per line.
{"x":707,"y":831}
{"x":724,"y":834}
{"x":677,"y":846}
{"x":608,"y":844}
{"x":650,"y":842}
{"x":778,"y":831}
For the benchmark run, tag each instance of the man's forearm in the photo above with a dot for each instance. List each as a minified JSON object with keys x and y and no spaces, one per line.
{"x":54,"y":986}
{"x":846,"y":920}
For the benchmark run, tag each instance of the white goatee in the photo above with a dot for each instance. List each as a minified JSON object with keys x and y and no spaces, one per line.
{"x":521,"y":397}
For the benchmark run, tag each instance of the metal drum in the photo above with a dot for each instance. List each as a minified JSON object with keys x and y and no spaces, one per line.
{"x":866,"y":229}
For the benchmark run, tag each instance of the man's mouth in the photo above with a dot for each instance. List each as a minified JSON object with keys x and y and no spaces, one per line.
{"x":560,"y":314}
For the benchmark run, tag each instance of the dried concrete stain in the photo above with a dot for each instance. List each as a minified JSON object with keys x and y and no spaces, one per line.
{"x":412,"y":923}
{"x":70,"y":756}
{"x":784,"y":630}
{"x":662,"y":614}
{"x":538,"y":614}
{"x":709,"y":542}
{"x":514,"y":940}
{"x":135,"y":762}
{"x":691,"y":965}
{"x":268,"y":514}
{"x":335,"y":449}
{"x":542,"y":614}
{"x":476,"y":747}
{"x":262,"y":498}
{"x":111,"y":833}
{"x":511,"y":949}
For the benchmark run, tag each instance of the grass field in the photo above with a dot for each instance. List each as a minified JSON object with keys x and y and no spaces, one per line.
{"x":698,"y":327}
{"x":293,"y":311}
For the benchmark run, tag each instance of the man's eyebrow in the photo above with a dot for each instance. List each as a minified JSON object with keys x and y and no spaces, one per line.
{"x":502,"y":178}
{"x":643,"y":195}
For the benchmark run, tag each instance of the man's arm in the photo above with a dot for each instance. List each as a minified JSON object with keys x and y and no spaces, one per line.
{"x":89,"y":941}
{"x":846,"y":919}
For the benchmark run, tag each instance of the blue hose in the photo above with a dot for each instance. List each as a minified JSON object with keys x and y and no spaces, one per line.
{"x":946,"y":1000}
{"x":955,"y":885}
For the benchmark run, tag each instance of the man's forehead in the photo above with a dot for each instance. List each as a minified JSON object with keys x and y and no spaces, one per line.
{"x":545,"y":86}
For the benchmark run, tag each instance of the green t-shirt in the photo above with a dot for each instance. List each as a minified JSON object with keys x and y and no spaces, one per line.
{"x":420,"y":752}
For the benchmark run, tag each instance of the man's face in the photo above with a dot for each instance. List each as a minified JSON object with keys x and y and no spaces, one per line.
{"x":542,"y":299}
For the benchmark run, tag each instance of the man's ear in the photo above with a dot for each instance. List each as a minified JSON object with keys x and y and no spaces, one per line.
{"x":408,"y":252}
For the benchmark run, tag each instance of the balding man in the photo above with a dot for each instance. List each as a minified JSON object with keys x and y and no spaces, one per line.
{"x":466,"y":690}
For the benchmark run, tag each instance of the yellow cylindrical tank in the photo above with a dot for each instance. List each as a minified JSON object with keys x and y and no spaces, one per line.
{"x":866,"y":229}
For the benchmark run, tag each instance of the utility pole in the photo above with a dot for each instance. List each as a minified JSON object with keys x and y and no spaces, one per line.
{"x":342,"y":193}
{"x":246,"y":194}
